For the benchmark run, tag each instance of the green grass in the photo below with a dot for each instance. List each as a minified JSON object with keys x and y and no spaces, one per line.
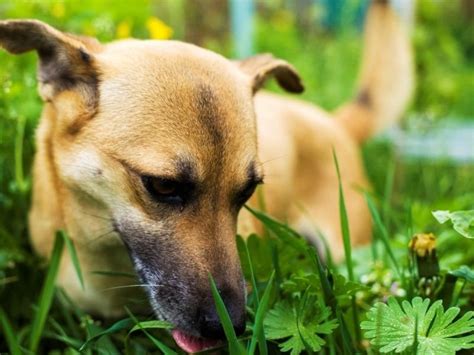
{"x":284,"y":272}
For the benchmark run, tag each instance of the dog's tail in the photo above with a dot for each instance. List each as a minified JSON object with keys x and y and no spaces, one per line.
{"x":386,"y":78}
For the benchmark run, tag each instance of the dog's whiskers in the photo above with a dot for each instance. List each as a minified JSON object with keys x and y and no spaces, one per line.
{"x":130,"y":286}
{"x":273,"y":159}
{"x":101,"y":236}
{"x":100,"y":217}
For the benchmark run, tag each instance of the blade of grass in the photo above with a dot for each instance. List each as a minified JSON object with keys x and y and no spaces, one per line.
{"x":166,"y":350}
{"x":457,"y":296}
{"x":75,"y":260}
{"x":282,"y":231}
{"x":9,"y":333}
{"x":61,"y":334}
{"x":383,"y":233}
{"x":388,"y":190}
{"x":328,"y":294}
{"x":235,"y":348}
{"x":105,"y":343}
{"x":73,"y":327}
{"x":47,"y":294}
{"x":258,"y":334}
{"x":152,"y":324}
{"x":346,"y":237}
{"x":114,"y":328}
{"x":266,"y":234}
{"x":327,"y":250}
{"x":252,"y":273}
{"x":74,"y":343}
{"x":330,"y":300}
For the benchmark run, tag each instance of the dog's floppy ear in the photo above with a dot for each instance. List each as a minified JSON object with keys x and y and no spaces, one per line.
{"x":66,"y":61}
{"x":262,"y":66}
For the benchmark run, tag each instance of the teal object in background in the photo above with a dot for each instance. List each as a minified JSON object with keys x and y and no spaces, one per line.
{"x":336,"y":11}
{"x":242,"y":27}
{"x":333,"y":12}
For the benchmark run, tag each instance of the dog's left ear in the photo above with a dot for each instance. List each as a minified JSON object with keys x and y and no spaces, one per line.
{"x":262,"y":66}
{"x":66,"y":61}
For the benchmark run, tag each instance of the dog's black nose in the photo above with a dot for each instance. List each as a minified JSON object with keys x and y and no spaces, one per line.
{"x":209,"y":322}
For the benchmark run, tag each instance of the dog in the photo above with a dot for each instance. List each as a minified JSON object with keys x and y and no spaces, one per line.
{"x":147,"y":151}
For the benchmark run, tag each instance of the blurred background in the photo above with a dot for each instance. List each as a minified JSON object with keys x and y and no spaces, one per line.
{"x":426,"y":163}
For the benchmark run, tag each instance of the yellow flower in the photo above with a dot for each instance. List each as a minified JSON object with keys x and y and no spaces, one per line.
{"x":58,"y":10}
{"x":124,"y":29}
{"x":158,"y":29}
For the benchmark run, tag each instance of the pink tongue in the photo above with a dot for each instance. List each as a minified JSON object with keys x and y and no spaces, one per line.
{"x":192,"y":344}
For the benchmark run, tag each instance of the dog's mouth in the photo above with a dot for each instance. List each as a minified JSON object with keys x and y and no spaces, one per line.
{"x":193,"y":344}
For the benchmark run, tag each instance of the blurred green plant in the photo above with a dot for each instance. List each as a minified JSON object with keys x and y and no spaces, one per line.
{"x":434,"y":331}
{"x":401,"y":202}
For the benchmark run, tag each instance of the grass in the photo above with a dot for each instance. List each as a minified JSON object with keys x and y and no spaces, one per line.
{"x":284,"y":272}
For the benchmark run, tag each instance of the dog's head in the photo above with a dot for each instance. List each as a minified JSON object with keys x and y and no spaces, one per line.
{"x":161,"y":136}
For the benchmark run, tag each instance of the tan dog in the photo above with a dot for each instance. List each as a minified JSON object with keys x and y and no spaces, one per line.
{"x":147,"y":150}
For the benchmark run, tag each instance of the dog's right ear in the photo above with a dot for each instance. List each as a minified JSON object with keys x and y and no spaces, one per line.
{"x":263,"y":66}
{"x":66,"y":61}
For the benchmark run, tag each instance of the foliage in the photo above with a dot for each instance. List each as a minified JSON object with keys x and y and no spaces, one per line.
{"x":299,"y":324}
{"x":321,"y":303}
{"x":444,"y":59}
{"x":395,"y":328}
{"x":463,"y":221}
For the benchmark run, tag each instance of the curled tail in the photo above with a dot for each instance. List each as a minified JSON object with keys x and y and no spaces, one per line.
{"x":386,"y":78}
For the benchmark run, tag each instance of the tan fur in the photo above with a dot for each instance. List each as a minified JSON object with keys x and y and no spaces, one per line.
{"x":157,"y":102}
{"x":386,"y":79}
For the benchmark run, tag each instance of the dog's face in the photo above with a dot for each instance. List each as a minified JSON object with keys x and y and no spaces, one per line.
{"x":161,"y":137}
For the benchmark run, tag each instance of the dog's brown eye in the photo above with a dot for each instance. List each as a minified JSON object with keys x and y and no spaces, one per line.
{"x":166,"y":190}
{"x":163,"y":187}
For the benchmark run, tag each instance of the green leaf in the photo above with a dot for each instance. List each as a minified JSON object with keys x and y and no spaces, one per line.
{"x":47,"y":293}
{"x":159,"y":345}
{"x":114,"y":328}
{"x":244,"y":247}
{"x":441,"y":216}
{"x":344,"y":221}
{"x":152,"y":324}
{"x":383,"y":232}
{"x":465,"y":273}
{"x":9,"y":334}
{"x":282,"y":231}
{"x":345,"y":288}
{"x":258,"y":335}
{"x":346,"y":238}
{"x":284,"y":322}
{"x":299,"y":282}
{"x":463,"y":221}
{"x":235,"y":348}
{"x":391,"y":327}
{"x":72,"y":252}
